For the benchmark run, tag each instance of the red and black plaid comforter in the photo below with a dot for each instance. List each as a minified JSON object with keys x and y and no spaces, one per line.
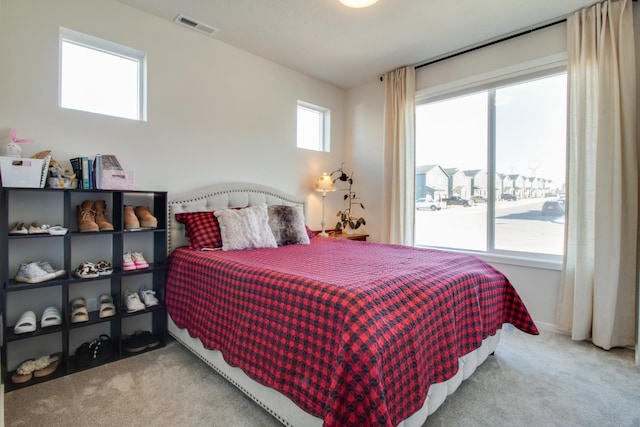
{"x":353,"y":332}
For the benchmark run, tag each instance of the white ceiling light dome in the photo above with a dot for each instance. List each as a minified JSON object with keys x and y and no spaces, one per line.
{"x":358,"y":3}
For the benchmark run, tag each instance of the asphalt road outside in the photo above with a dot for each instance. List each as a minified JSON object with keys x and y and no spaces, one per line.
{"x":520,"y":226}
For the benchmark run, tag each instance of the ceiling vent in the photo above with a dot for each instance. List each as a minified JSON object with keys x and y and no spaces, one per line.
{"x":193,"y":24}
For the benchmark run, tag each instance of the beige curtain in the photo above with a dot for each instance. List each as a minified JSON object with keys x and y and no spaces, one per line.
{"x":598,"y":293}
{"x":399,"y":142}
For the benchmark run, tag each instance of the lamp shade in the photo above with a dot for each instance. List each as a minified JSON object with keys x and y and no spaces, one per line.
{"x":325,"y":183}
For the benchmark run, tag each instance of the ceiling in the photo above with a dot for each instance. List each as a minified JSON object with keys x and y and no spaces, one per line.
{"x":347,"y":47}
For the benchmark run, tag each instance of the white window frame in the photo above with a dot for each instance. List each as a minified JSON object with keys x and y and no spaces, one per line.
{"x":324,"y":128}
{"x":84,"y":40}
{"x":544,"y":67}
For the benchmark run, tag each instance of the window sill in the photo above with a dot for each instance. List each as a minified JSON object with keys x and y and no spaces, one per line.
{"x":548,"y":262}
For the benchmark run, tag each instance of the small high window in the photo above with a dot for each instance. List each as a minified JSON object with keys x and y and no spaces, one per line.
{"x":101,"y":77}
{"x":313,"y":127}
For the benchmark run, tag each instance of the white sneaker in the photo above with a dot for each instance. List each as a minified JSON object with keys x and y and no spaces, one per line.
{"x":147,"y":296}
{"x":132,"y":302}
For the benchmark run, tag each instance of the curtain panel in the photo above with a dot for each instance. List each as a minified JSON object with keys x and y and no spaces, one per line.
{"x":598,"y":293}
{"x":399,"y":143}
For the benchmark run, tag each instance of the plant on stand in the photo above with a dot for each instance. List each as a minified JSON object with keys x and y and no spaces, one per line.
{"x":347,"y":218}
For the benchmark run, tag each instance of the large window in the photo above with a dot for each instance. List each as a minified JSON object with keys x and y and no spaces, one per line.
{"x":490,"y":168}
{"x":313,"y":125}
{"x":101,"y":77}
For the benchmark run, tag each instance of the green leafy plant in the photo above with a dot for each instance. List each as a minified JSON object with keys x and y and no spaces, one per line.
{"x":346,"y":216}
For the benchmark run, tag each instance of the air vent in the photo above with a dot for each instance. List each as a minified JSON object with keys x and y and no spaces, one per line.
{"x":193,"y":24}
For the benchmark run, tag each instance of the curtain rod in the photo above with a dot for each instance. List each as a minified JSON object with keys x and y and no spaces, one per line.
{"x":489,"y":43}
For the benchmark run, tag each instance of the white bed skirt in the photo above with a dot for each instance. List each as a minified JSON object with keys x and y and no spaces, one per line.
{"x":289,"y":414}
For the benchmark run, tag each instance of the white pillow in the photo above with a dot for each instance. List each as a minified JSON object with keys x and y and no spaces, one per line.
{"x":246,"y":228}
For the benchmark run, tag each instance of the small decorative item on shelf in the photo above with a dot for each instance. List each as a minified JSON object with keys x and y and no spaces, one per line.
{"x":12,"y":149}
{"x":346,"y":216}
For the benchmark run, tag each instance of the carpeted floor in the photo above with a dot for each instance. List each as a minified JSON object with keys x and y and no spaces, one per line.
{"x":545,"y":380}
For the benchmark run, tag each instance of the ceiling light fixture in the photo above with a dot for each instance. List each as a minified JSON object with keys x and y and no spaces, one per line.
{"x":358,"y":3}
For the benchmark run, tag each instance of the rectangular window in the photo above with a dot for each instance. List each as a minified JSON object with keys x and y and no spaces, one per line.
{"x":313,"y":127}
{"x":101,"y":77}
{"x":494,"y":161}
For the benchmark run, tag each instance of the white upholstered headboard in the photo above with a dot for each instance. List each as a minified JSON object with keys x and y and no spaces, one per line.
{"x":221,"y":196}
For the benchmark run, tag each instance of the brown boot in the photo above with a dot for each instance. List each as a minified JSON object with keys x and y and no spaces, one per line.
{"x":102,"y":216}
{"x":146,"y":219}
{"x":130,"y":219}
{"x":86,"y":217}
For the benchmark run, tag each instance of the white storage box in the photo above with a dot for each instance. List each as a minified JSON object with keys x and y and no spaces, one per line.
{"x":24,"y":172}
{"x":117,"y":180}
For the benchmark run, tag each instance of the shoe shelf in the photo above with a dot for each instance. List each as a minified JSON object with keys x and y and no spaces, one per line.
{"x":111,"y":337}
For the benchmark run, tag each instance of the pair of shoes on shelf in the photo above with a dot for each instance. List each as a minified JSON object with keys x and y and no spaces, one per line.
{"x":93,"y":216}
{"x":138,"y":217}
{"x":89,"y":270}
{"x":133,"y":261}
{"x":139,"y":301}
{"x":34,"y":228}
{"x":140,"y":341}
{"x":40,"y":367}
{"x":95,"y":352}
{"x":37,"y":272}
{"x":27,"y":321}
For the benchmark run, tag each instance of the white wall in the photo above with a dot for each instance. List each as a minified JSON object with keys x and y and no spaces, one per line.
{"x":215,"y":113}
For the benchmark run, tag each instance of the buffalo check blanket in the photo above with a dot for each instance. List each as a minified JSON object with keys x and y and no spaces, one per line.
{"x":353,"y":332}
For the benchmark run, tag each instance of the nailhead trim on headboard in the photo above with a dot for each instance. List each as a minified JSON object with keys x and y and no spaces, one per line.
{"x":221,"y":196}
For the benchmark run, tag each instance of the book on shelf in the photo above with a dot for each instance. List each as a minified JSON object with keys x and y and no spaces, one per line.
{"x":80,"y":166}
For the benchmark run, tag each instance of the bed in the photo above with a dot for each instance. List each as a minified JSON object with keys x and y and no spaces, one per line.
{"x":331,"y":332}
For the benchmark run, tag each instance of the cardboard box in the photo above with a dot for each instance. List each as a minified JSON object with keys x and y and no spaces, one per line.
{"x":24,"y":172}
{"x":117,"y":180}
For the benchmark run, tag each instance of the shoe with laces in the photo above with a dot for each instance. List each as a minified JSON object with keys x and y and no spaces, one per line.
{"x":139,"y":260}
{"x":132,"y":302}
{"x":46,"y":266}
{"x":102,"y":216}
{"x":87,"y":217}
{"x":148,"y":296}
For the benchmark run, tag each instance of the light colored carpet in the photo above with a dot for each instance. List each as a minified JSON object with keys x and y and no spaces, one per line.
{"x":545,"y":380}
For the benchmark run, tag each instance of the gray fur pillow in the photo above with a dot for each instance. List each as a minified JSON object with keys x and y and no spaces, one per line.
{"x":287,"y":225}
{"x":246,"y":228}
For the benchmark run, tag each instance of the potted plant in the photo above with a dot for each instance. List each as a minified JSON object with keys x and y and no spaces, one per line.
{"x":346,"y":216}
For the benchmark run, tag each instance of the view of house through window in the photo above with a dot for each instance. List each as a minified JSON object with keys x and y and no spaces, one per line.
{"x":490,"y":169}
{"x":312,"y":127}
{"x":101,"y":77}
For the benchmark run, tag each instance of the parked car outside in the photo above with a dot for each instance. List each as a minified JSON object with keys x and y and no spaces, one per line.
{"x":509,"y":197}
{"x":553,"y":207}
{"x":479,"y":199}
{"x":427,"y":203}
{"x":457,"y":200}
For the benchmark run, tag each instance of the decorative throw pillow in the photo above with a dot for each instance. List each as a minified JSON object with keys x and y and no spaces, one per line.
{"x":201,"y":228}
{"x":246,"y":228}
{"x":287,"y":225}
